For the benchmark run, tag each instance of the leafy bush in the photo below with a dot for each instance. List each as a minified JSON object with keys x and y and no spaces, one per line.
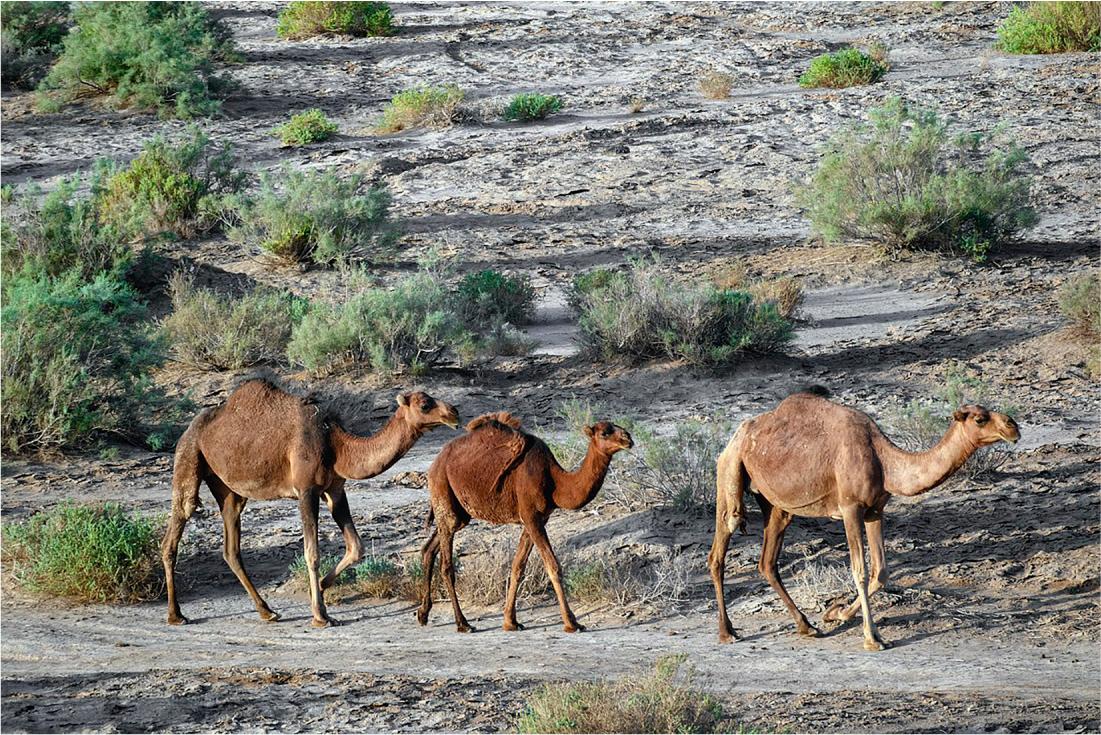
{"x":306,"y":127}
{"x":586,"y":284}
{"x":408,"y":328}
{"x":535,"y":106}
{"x":845,"y":68}
{"x":149,"y":55}
{"x":300,"y":19}
{"x":229,"y":333}
{"x":431,"y":107}
{"x":491,"y":297}
{"x":679,"y":469}
{"x":90,"y":554}
{"x":654,"y":703}
{"x":316,"y":218}
{"x":76,"y":360}
{"x":900,"y":182}
{"x":31,"y":38}
{"x":1051,"y":28}
{"x":183,"y":189}
{"x":1080,"y":301}
{"x":716,"y":85}
{"x":639,"y":315}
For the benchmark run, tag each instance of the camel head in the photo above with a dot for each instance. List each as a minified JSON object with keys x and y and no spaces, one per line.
{"x":608,"y":438}
{"x":422,"y":411}
{"x":985,"y":427}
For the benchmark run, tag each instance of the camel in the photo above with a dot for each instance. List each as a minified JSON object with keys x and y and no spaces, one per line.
{"x":265,"y":444}
{"x":812,"y":457}
{"x":499,"y":473}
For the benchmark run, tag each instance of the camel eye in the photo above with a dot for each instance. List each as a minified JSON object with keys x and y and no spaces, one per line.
{"x":980,"y":420}
{"x":607,"y":431}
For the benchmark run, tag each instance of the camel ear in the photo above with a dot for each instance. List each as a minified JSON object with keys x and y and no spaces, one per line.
{"x":403,"y":399}
{"x":960,"y":415}
{"x":588,"y":431}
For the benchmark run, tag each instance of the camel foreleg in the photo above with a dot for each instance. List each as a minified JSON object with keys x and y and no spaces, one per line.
{"x":337,"y":501}
{"x":853,"y":516}
{"x":840,"y":612}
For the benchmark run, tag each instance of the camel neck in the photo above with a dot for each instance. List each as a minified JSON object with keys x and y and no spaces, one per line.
{"x":360,"y":457}
{"x":913,"y":473}
{"x":573,"y":490}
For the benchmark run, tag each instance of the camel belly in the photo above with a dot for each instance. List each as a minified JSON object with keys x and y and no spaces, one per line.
{"x":492,"y":507}
{"x":800,"y":501}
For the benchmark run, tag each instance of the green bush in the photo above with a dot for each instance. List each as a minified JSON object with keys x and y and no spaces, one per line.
{"x":846,"y":68}
{"x":639,"y":315}
{"x":533,"y":106}
{"x":316,"y":218}
{"x":1051,"y":28}
{"x":899,"y":181}
{"x":85,"y":553}
{"x":229,"y":333}
{"x":432,"y":107}
{"x":183,"y":189}
{"x":306,"y":127}
{"x":491,"y":297}
{"x":679,"y":469}
{"x":300,"y":20}
{"x":408,"y":328}
{"x":30,"y":40}
{"x":586,"y":283}
{"x":149,"y":55}
{"x":1080,"y":301}
{"x":76,"y":362}
{"x":656,"y":703}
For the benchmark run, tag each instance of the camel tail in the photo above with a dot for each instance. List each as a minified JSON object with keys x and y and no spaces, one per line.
{"x":429,"y":519}
{"x":187,"y":468}
{"x":733,"y":481}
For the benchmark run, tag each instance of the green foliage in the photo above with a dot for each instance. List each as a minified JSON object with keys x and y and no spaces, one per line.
{"x":900,"y":181}
{"x":1051,"y":28}
{"x":846,"y":68}
{"x":408,"y":328}
{"x":431,"y":107}
{"x":679,"y":469}
{"x":149,"y":55}
{"x":76,"y":361}
{"x":639,"y":315}
{"x":655,"y":703}
{"x":587,"y":283}
{"x":229,"y":333}
{"x":1080,"y":301}
{"x":85,"y":553}
{"x":491,"y":297}
{"x":31,"y":37}
{"x":534,"y":106}
{"x":300,"y":19}
{"x":182,"y":189}
{"x":316,"y":217}
{"x":306,"y":127}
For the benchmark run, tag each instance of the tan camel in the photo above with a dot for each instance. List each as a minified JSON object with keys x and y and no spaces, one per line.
{"x":264,"y":443}
{"x":812,"y":457}
{"x":498,"y":473}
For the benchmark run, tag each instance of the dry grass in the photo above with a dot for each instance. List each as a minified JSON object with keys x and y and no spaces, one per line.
{"x":785,"y":292}
{"x":716,"y":85}
{"x":636,"y":105}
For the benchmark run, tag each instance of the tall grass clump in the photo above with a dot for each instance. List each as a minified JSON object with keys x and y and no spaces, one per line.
{"x":405,"y":329}
{"x":301,"y":19}
{"x":182,"y":188}
{"x":1051,"y":28}
{"x":76,"y":363}
{"x":147,"y":55}
{"x":316,"y":217}
{"x":85,"y":553}
{"x":421,"y":107}
{"x":306,"y":127}
{"x":660,"y":702}
{"x":639,"y":314}
{"x":533,"y":106}
{"x":208,"y":330}
{"x":900,"y":181}
{"x":31,"y":34}
{"x":845,"y":68}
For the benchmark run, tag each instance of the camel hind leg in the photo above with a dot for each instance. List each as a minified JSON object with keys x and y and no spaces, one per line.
{"x":231,"y":504}
{"x":188,"y":473}
{"x":729,"y":515}
{"x":428,"y":562}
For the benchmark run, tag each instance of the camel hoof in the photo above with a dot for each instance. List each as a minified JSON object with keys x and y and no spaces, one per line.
{"x":422,"y":617}
{"x":875,"y":645}
{"x":810,"y":631}
{"x":324,"y":623}
{"x":728,"y":637}
{"x":270,"y":616}
{"x":513,"y":626}
{"x":833,"y":615}
{"x":177,"y":620}
{"x":464,"y":628}
{"x":575,"y":628}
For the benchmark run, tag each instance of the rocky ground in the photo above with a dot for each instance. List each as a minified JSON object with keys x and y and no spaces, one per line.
{"x":992,"y":607}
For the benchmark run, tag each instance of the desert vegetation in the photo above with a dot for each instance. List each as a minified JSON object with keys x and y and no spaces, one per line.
{"x":148,"y":55}
{"x":531,"y":106}
{"x":306,"y":127}
{"x":303,"y":19}
{"x":85,"y":554}
{"x":32,"y":36}
{"x":421,"y":107}
{"x":1051,"y":28}
{"x":716,"y":85}
{"x":903,"y":182}
{"x":1080,"y":302}
{"x":845,"y":68}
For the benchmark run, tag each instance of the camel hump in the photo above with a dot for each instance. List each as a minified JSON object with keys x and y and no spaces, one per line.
{"x":500,"y":419}
{"x":815,"y":390}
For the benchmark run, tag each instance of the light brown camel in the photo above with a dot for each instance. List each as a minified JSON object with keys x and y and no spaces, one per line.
{"x":264,"y":443}
{"x":812,"y":457}
{"x":498,"y":473}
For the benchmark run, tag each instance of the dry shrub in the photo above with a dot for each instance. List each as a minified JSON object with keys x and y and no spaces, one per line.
{"x":636,"y":105}
{"x":1080,"y":301}
{"x":421,"y":107}
{"x":785,"y":293}
{"x":716,"y":85}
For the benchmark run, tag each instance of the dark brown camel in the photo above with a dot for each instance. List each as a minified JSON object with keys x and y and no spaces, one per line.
{"x":264,"y":443}
{"x":812,"y":457}
{"x":501,"y":474}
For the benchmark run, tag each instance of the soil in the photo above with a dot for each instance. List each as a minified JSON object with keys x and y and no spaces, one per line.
{"x":992,"y":608}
